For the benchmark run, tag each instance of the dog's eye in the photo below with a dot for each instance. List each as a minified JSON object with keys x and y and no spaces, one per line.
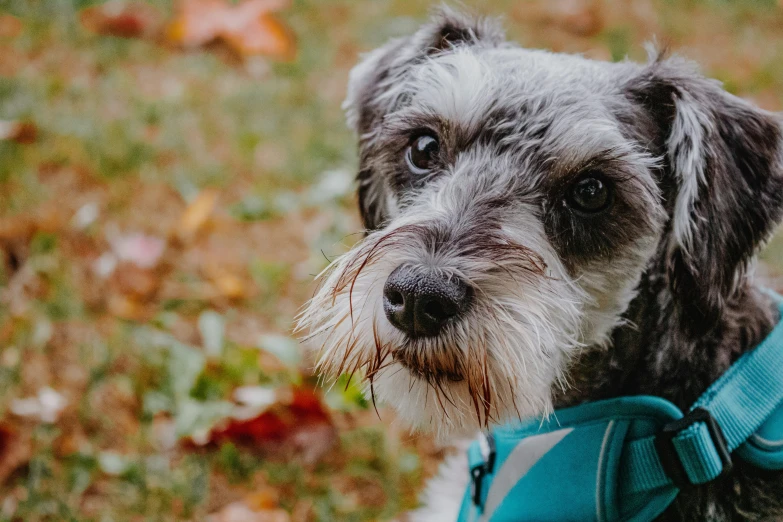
{"x":421,"y":154}
{"x":590,"y":195}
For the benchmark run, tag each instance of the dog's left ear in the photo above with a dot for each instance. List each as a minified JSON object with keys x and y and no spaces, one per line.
{"x":722,"y":180}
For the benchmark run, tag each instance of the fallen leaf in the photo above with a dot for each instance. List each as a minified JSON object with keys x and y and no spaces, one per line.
{"x":579,"y":17}
{"x":197,"y":214}
{"x":125,"y":307}
{"x":248,"y":28}
{"x":241,"y":512}
{"x":265,"y":498}
{"x":256,"y":396}
{"x":285,"y":348}
{"x":136,"y":283}
{"x":10,"y":26}
{"x":333,"y":185}
{"x":85,"y":216}
{"x":104,"y":266}
{"x":299,"y":421}
{"x":46,"y":406}
{"x":227,"y":284}
{"x":113,"y":463}
{"x":124,"y":19}
{"x":15,"y":451}
{"x":212,"y":328}
{"x":24,"y":132}
{"x":144,"y":251}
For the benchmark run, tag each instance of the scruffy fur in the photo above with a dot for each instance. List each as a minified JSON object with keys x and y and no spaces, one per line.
{"x":652,"y":296}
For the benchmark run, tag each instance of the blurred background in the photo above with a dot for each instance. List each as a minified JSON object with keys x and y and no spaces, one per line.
{"x":172,"y":176}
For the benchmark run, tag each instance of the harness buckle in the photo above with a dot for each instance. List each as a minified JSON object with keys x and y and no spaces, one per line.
{"x":670,"y":459}
{"x":479,"y":471}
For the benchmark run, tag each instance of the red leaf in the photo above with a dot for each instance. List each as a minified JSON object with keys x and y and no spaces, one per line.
{"x":116,"y":18}
{"x":14,"y":451}
{"x":303,"y":423}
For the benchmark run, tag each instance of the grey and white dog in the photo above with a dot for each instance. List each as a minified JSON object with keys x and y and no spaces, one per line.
{"x":545,"y":230}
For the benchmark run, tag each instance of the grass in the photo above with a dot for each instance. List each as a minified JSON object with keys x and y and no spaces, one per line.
{"x":138,"y":131}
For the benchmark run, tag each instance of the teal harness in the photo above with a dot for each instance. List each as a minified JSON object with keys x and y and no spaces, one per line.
{"x":626,"y":459}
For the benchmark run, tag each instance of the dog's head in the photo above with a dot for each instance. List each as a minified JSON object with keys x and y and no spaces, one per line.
{"x":514,"y":199}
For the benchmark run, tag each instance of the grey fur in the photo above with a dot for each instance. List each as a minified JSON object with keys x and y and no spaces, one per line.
{"x":651,"y":296}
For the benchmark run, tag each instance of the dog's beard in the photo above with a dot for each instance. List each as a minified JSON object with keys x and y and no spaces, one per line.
{"x":496,"y":363}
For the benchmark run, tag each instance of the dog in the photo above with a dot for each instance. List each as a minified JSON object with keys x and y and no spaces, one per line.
{"x":545,"y":230}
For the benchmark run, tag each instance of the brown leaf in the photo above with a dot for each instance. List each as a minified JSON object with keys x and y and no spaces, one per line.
{"x":15,"y":451}
{"x":124,"y":19}
{"x":126,"y":308}
{"x":579,"y":17}
{"x":248,"y":28}
{"x":24,"y":132}
{"x":138,"y":283}
{"x":229,"y":285}
{"x":265,"y":498}
{"x":10,"y":26}
{"x":241,"y":512}
{"x":196,"y":214}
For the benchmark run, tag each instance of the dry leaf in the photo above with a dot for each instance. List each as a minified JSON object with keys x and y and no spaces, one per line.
{"x":10,"y":26}
{"x":15,"y":451}
{"x":124,"y":19}
{"x":248,"y":28}
{"x":138,"y":283}
{"x":197,"y":214}
{"x":579,"y":17}
{"x":265,"y":498}
{"x":299,"y":421}
{"x":46,"y":406}
{"x":143,"y":251}
{"x":227,"y":284}
{"x":24,"y":132}
{"x":125,"y":308}
{"x":241,"y":512}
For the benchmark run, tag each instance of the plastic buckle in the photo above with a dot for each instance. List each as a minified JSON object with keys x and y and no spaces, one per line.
{"x":670,"y":459}
{"x":478,"y":472}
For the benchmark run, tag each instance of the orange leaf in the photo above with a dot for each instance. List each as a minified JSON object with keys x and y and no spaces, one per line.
{"x":10,"y":26}
{"x":230,"y":286}
{"x":264,"y":498}
{"x":125,"y":308}
{"x":248,"y":28}
{"x":268,"y":36}
{"x":241,"y":512}
{"x":197,"y":214}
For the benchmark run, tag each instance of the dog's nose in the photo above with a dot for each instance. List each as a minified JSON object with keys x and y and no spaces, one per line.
{"x":419,"y":303}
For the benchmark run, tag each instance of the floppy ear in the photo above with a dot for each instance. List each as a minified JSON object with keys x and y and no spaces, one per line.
{"x":376,"y":86}
{"x":723,"y":182}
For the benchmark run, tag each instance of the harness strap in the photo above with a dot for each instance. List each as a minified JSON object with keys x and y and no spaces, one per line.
{"x":738,"y":403}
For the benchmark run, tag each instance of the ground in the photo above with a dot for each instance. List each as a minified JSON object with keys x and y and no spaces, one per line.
{"x":162,"y":214}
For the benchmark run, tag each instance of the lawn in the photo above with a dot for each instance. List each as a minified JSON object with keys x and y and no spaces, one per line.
{"x":162,"y":214}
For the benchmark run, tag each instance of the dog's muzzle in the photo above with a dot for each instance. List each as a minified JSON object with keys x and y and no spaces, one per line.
{"x":421,"y":302}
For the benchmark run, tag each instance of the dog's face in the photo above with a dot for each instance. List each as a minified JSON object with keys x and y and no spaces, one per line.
{"x":514,"y":200}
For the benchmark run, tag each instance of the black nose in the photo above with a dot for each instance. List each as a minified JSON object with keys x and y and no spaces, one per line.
{"x":419,"y":302}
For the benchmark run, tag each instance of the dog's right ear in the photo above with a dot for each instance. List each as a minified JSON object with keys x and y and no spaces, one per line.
{"x":376,"y":87}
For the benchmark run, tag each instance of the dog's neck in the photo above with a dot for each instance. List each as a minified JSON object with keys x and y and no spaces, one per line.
{"x":651,"y":353}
